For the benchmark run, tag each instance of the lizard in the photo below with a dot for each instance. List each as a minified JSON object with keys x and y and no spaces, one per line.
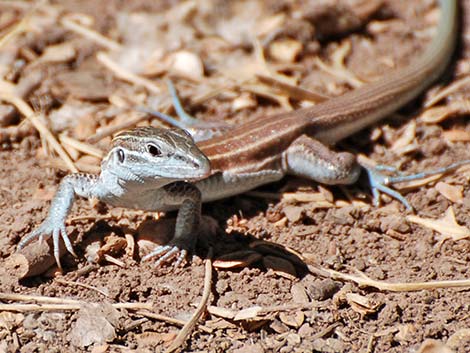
{"x":257,"y":152}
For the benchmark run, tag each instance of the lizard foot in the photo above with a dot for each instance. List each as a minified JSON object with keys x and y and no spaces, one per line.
{"x":165,"y":253}
{"x":54,"y":229}
{"x":380,"y":182}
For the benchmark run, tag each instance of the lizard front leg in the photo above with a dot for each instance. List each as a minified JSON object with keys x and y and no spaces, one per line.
{"x":54,"y":225}
{"x":189,"y":199}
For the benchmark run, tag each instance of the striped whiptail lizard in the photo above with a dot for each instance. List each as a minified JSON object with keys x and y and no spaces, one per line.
{"x":159,"y":170}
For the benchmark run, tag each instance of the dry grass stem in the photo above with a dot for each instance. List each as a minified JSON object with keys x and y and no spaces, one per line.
{"x":365,"y":281}
{"x":111,"y":130}
{"x":78,"y":284}
{"x":292,"y":91}
{"x":81,"y":146}
{"x":189,"y":326}
{"x":26,"y":110}
{"x":126,"y":75}
{"x":455,"y":86}
{"x":90,"y":34}
{"x":170,"y":320}
{"x":57,"y":304}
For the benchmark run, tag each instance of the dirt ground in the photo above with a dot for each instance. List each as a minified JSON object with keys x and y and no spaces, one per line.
{"x":273,"y":285}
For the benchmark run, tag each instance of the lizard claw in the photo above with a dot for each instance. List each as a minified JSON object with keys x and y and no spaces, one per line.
{"x":164,"y":253}
{"x":380,"y":182}
{"x":50,"y":228}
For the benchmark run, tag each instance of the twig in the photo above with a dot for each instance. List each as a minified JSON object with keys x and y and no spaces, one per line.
{"x":57,"y":304}
{"x":126,"y":75}
{"x":189,"y":326}
{"x":447,"y":91}
{"x":21,"y":26}
{"x":26,"y":110}
{"x":34,"y":259}
{"x":36,"y":298}
{"x":63,"y":307}
{"x":81,"y":146}
{"x":58,"y":163}
{"x":295,"y":92}
{"x":90,"y":34}
{"x":71,"y":283}
{"x":111,"y":130}
{"x":363,"y":280}
{"x":170,"y":320}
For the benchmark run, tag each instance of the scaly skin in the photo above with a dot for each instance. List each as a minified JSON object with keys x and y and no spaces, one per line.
{"x":145,"y":169}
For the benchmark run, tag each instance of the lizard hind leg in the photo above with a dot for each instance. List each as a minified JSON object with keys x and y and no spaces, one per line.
{"x":309,"y":158}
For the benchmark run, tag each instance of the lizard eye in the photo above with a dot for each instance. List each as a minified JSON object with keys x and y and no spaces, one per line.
{"x":154,"y":150}
{"x":120,"y":154}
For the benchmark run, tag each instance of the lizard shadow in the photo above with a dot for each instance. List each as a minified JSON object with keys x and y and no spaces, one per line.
{"x":232,"y":251}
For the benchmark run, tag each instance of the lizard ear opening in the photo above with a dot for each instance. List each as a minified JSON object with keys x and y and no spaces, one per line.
{"x":120,"y":155}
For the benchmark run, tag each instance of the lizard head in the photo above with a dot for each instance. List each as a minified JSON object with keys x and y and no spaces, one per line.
{"x":155,"y":157}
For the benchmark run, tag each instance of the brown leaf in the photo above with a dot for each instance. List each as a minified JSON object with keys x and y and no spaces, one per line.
{"x":248,"y":313}
{"x":451,"y":192}
{"x":447,"y":226}
{"x":361,"y":304}
{"x":221,"y":312}
{"x":434,"y":346}
{"x":293,"y":213}
{"x":237,"y":259}
{"x":285,"y":50}
{"x":406,"y":138}
{"x":293,"y":319}
{"x":456,"y":135}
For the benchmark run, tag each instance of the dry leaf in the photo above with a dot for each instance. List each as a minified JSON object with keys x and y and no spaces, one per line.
{"x":10,"y":320}
{"x":299,"y":294}
{"x":460,"y":338}
{"x":405,"y":332}
{"x":244,"y":101}
{"x":434,"y":346}
{"x":100,"y":349}
{"x":306,"y":197}
{"x":221,"y":312}
{"x":293,"y":319}
{"x":456,"y":135}
{"x":453,"y":87}
{"x":58,"y":53}
{"x":187,"y":64}
{"x":338,"y":69}
{"x":219,"y":324}
{"x":285,"y":50}
{"x":248,"y":313}
{"x":293,"y":213}
{"x":361,"y":304}
{"x":451,"y":192}
{"x":440,"y":113}
{"x":270,"y":24}
{"x":113,"y":244}
{"x":447,"y":225}
{"x":278,"y":327}
{"x":96,"y":324}
{"x":406,"y":138}
{"x":237,"y":259}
